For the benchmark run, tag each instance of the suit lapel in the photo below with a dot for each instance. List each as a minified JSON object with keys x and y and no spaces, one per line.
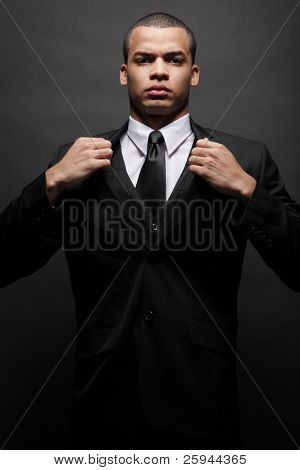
{"x":181,"y":189}
{"x":117,"y":175}
{"x":187,"y":176}
{"x":120,"y":184}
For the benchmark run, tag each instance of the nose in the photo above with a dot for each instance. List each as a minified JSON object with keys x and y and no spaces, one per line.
{"x":159,"y":70}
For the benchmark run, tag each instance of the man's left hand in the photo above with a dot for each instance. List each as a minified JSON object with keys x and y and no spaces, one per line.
{"x":219,"y":168}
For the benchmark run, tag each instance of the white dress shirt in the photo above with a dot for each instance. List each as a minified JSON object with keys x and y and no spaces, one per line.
{"x":179,"y":139}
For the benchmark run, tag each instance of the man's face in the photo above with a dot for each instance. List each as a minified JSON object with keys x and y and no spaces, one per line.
{"x":159,"y":70}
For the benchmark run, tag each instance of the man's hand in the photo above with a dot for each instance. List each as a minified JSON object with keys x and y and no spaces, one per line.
{"x":86,"y":155}
{"x":220,"y":169}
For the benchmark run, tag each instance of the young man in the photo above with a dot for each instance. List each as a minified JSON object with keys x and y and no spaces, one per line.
{"x":163,"y":211}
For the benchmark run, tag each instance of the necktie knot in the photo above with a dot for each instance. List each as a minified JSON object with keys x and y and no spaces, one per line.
{"x":156,"y":137}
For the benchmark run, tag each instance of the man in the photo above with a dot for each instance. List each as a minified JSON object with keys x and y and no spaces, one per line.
{"x":154,"y":219}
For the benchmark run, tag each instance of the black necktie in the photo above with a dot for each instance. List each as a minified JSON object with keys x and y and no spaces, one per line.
{"x":152,"y":179}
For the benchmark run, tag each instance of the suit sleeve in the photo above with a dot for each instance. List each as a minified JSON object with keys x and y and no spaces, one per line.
{"x":271,"y":220}
{"x":30,"y":231}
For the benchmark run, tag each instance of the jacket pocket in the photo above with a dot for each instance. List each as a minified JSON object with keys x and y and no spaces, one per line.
{"x":215,"y":337}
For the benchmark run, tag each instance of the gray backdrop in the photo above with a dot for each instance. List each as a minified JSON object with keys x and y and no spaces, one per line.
{"x":80,"y":43}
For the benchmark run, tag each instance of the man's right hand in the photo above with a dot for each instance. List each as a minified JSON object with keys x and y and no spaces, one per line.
{"x":86,"y":155}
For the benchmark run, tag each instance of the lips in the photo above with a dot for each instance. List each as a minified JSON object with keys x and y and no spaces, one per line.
{"x":157,"y":90}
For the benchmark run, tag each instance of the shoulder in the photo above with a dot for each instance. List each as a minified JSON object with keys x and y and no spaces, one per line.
{"x":231,"y":139}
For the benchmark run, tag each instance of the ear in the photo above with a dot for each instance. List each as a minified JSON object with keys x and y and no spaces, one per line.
{"x":195,"y":75}
{"x":123,"y":75}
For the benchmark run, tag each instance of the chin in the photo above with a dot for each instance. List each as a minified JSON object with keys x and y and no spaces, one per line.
{"x":160,"y":106}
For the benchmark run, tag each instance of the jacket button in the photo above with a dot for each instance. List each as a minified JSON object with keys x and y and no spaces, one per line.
{"x":148,"y":315}
{"x":154,"y":227}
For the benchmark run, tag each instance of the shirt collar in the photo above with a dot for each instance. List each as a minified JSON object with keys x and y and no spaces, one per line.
{"x":174,"y":133}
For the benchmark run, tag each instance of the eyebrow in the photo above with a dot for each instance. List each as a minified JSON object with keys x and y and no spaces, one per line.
{"x":179,"y":52}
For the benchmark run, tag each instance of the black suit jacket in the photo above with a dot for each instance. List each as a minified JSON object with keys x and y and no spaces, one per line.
{"x":157,"y":317}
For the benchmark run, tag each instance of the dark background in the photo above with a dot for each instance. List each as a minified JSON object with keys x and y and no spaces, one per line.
{"x":80,"y":43}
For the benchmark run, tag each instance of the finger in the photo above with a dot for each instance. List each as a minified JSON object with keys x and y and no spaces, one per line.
{"x":102,"y":153}
{"x":104,"y":142}
{"x":207,"y":143}
{"x":196,"y":160}
{"x":198,"y":170}
{"x":95,"y":142}
{"x":201,"y":151}
{"x":101,"y":143}
{"x":102,"y":163}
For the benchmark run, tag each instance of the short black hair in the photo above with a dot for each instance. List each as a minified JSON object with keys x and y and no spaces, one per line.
{"x":159,"y":20}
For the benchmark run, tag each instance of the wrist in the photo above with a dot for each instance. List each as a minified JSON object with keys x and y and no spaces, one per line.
{"x":54,"y":183}
{"x":246,"y":188}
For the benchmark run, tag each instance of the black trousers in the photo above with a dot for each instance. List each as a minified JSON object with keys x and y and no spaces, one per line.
{"x":109,"y":414}
{"x":111,"y":417}
{"x":134,"y":431}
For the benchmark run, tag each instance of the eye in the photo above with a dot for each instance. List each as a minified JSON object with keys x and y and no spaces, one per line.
{"x":142,"y":60}
{"x":176,"y":60}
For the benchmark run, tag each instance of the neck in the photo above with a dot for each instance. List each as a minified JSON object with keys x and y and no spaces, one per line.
{"x":156,"y":121}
